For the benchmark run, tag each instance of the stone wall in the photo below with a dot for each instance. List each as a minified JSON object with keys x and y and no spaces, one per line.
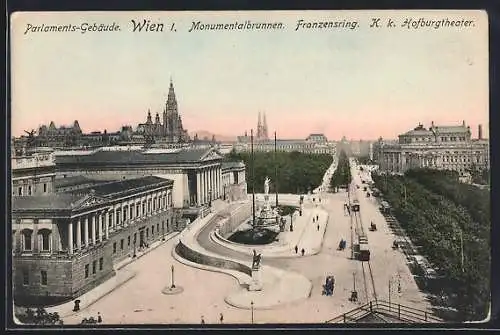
{"x":59,"y":279}
{"x":196,"y":257}
{"x":234,"y":219}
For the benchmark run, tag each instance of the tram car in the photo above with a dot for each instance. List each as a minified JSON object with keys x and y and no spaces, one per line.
{"x":364,"y":253}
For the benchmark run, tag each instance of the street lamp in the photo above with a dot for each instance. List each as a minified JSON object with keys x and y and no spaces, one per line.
{"x":173,"y":285}
{"x":163,"y":230}
{"x":251,"y":304}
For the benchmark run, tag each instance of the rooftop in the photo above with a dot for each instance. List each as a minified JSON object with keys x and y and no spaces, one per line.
{"x":134,"y":156}
{"x":72,"y":199}
{"x":232,"y":165}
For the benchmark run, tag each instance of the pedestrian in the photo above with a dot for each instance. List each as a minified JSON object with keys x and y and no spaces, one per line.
{"x":99,"y":318}
{"x":317,"y":217}
{"x":296,"y":249}
{"x":302,"y":251}
{"x":318,"y":227}
{"x":221,"y":318}
{"x":202,"y":320}
{"x":313,"y":220}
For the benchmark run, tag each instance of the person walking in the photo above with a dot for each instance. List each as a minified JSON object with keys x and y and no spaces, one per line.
{"x":221,"y":318}
{"x":296,"y":249}
{"x":302,"y":251}
{"x":99,"y":318}
{"x":317,"y":217}
{"x":318,"y":226}
{"x":202,"y":320}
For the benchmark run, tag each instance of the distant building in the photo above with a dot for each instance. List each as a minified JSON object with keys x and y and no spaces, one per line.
{"x":438,"y":147}
{"x":314,"y":144}
{"x":171,"y":130}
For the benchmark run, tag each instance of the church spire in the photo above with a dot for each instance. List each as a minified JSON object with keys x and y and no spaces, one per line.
{"x":259,"y":127}
{"x":264,"y":127}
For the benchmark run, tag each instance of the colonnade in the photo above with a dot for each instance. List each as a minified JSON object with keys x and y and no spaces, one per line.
{"x":89,"y":228}
{"x":208,"y":184}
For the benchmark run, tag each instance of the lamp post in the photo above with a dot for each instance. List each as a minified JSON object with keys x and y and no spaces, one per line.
{"x":251,"y":307}
{"x":173,"y":285}
{"x":135,"y":242}
{"x":163,"y":230}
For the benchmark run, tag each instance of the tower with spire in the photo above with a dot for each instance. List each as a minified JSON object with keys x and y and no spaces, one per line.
{"x":265,"y":134}
{"x":171,"y":130}
{"x":259,"y":128}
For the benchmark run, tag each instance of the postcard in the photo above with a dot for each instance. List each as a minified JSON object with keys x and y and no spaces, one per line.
{"x":250,"y":167}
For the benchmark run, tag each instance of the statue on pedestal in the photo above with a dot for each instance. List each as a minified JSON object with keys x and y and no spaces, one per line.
{"x":256,"y":260}
{"x":266,"y":186}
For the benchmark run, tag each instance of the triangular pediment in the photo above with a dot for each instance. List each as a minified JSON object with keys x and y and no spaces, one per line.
{"x":211,"y":155}
{"x":87,"y":201}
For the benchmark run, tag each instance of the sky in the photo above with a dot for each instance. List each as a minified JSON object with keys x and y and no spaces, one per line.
{"x":360,"y":83}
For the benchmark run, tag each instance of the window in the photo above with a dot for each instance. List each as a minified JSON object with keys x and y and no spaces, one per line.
{"x":101,"y":263}
{"x":27,"y":240}
{"x":20,"y":191}
{"x":158,"y":228}
{"x":147,"y":232}
{"x":152,"y":230}
{"x":143,"y":208}
{"x":45,"y":239}
{"x":29,"y":190}
{"x":44,"y":277}
{"x":125,"y":213}
{"x":44,"y":188}
{"x":128,"y":241}
{"x":137,"y":211}
{"x":94,"y":267}
{"x":121,"y":244}
{"x":26,"y":277}
{"x":114,"y":248}
{"x":86,"y":270}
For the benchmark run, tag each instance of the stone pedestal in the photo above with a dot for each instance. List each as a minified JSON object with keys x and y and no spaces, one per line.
{"x":256,"y":284}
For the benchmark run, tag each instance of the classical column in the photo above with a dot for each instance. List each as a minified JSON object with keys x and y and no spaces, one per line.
{"x":70,"y":237}
{"x":206,"y":185}
{"x":86,"y":230}
{"x":101,"y":221}
{"x":202,"y":187}
{"x":106,"y":224}
{"x":79,"y":234}
{"x":93,"y":229}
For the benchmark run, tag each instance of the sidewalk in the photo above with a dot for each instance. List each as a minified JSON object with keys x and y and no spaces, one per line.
{"x":121,"y":277}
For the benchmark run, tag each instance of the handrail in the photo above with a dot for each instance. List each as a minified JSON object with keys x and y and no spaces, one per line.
{"x":398,"y":311}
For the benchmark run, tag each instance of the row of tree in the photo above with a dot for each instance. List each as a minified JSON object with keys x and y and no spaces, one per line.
{"x":438,"y":214}
{"x":290,"y":172}
{"x":342,"y":175}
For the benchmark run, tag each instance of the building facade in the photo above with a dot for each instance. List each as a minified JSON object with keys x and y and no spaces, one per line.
{"x":33,"y":173}
{"x":196,"y":172}
{"x":438,"y":147}
{"x":65,"y":244}
{"x":314,"y":144}
{"x":234,"y":181}
{"x":171,"y":129}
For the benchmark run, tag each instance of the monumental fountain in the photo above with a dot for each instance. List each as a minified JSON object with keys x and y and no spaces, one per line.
{"x":264,"y":225}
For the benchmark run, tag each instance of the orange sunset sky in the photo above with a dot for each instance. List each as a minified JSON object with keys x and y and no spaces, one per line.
{"x":361,"y":83}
